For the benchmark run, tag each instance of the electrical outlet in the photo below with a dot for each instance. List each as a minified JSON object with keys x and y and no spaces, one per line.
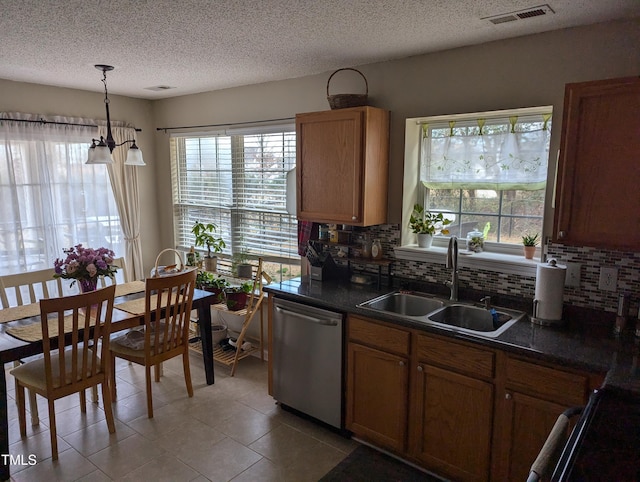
{"x":608,"y":279}
{"x":573,"y":275}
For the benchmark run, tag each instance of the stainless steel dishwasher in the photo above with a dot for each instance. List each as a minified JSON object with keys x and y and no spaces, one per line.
{"x":307,"y":360}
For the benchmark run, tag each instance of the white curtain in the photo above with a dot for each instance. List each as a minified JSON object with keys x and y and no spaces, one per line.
{"x":124,"y":182}
{"x":500,"y":155}
{"x":49,"y":198}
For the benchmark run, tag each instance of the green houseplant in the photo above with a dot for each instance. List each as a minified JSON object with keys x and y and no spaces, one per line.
{"x":426,"y":225}
{"x":204,"y":236}
{"x":530,"y":242}
{"x":209,"y":282}
{"x":237,"y":296}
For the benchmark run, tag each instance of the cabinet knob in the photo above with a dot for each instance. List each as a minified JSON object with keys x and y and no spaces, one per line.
{"x":401,"y":363}
{"x":353,"y":218}
{"x":562,"y":234}
{"x":420,"y":368}
{"x":507,"y":396}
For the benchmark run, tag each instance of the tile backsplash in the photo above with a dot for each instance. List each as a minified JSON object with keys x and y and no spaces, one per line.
{"x":586,"y":296}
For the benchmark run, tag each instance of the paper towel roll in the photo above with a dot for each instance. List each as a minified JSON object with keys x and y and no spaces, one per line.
{"x":549,"y":292}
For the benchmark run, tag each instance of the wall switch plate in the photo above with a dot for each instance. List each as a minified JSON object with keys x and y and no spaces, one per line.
{"x":608,"y":279}
{"x":573,"y":275}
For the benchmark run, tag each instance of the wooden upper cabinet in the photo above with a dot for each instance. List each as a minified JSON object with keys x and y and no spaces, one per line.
{"x":342,"y":166}
{"x":598,"y":188}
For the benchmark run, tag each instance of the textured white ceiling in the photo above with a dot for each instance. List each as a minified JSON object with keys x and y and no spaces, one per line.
{"x":200,"y":45}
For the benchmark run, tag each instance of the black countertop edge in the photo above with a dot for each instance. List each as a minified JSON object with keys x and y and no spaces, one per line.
{"x":572,"y":345}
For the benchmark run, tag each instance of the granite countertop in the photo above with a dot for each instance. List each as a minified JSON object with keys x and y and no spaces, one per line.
{"x":618,"y":358}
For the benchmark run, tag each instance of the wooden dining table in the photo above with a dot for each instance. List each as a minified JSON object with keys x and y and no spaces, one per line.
{"x":20,"y":318}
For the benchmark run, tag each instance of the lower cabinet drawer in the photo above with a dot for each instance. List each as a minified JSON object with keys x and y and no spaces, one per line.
{"x":377,"y":335}
{"x":550,"y":383}
{"x":456,"y":356}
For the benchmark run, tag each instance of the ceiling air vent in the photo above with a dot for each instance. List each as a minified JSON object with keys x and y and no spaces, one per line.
{"x":520,"y":14}
{"x":158,"y":88}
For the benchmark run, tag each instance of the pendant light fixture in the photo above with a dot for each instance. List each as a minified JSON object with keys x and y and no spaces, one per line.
{"x":100,"y":153}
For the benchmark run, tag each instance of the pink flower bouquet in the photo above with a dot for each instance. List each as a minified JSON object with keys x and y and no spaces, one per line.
{"x":85,"y":265}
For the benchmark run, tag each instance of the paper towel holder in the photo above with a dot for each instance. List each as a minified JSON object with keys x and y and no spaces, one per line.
{"x":535,"y":317}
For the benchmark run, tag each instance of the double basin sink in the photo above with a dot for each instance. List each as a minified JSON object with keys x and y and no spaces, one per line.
{"x":452,"y":315}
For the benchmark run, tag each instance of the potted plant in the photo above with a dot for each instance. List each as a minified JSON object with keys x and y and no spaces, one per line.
{"x":237,"y":296}
{"x":208,"y":282}
{"x":426,"y":225}
{"x":204,"y":236}
{"x":530,"y":242}
{"x":240,"y":265}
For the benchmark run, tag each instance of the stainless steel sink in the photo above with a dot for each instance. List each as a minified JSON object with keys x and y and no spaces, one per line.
{"x":474,"y":319}
{"x":455,"y":316}
{"x":404,"y":304}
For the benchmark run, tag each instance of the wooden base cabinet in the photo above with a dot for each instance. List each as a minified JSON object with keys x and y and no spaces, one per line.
{"x":377,"y":383}
{"x":377,"y":402}
{"x":452,"y":424}
{"x":463,"y":411}
{"x":533,"y":398}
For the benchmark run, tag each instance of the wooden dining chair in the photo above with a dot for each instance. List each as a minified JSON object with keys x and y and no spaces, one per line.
{"x":29,"y":287}
{"x":85,"y":321}
{"x":25,"y":288}
{"x":168,"y":301}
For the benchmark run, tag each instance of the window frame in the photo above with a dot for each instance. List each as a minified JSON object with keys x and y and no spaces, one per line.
{"x":232,"y":234}
{"x":503,"y":257}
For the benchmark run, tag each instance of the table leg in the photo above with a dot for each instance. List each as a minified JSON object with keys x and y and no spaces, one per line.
{"x":204,"y":320}
{"x":4,"y":428}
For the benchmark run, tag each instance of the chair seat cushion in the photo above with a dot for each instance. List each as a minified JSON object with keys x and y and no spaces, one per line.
{"x":33,"y":372}
{"x":132,"y":342}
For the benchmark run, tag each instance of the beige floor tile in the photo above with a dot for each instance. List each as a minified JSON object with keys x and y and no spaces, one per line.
{"x":247,"y":425}
{"x":264,"y":471}
{"x":192,"y":434}
{"x":232,"y":430}
{"x":163,"y":469}
{"x":70,"y":466}
{"x":283,"y":445}
{"x":95,"y":476}
{"x":96,"y":437}
{"x":120,"y":459}
{"x":223,"y":461}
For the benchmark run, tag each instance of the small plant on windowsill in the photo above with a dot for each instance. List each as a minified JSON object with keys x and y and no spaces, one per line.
{"x":530,"y":241}
{"x":426,"y":225}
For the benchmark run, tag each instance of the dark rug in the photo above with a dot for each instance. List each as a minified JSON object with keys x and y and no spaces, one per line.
{"x":365,"y":464}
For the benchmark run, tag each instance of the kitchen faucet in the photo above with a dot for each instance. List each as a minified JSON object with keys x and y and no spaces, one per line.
{"x":452,"y":264}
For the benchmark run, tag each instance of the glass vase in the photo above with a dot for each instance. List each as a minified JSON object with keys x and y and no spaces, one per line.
{"x":87,"y":285}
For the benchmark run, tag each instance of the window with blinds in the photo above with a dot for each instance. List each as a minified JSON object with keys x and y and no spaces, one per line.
{"x":238,"y":183}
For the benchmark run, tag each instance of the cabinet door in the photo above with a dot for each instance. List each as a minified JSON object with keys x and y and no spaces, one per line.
{"x":377,"y":398}
{"x":452,"y":424}
{"x":528,"y":421}
{"x":598,"y":203}
{"x":329,"y":166}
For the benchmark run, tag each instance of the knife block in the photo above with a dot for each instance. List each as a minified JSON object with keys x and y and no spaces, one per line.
{"x":326,"y":271}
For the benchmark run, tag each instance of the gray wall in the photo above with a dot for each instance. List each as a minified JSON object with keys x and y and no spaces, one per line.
{"x":520,"y":72}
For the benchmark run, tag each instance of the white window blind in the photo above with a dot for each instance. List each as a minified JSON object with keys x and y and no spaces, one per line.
{"x":237,"y":182}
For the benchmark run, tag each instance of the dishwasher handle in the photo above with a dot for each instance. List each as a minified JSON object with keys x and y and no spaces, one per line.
{"x":313,"y":319}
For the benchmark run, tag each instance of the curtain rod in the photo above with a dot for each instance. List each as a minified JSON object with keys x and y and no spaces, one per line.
{"x":42,"y":121}
{"x":224,"y":125}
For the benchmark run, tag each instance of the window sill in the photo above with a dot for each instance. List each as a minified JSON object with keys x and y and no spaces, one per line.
{"x":499,"y":262}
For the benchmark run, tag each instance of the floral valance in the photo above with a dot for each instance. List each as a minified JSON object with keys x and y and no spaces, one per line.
{"x":498,"y":154}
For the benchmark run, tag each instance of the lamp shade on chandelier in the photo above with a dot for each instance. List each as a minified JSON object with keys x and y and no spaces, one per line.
{"x":101,"y":149}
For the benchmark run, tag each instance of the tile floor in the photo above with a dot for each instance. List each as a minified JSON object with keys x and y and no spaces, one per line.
{"x":232,"y":430}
